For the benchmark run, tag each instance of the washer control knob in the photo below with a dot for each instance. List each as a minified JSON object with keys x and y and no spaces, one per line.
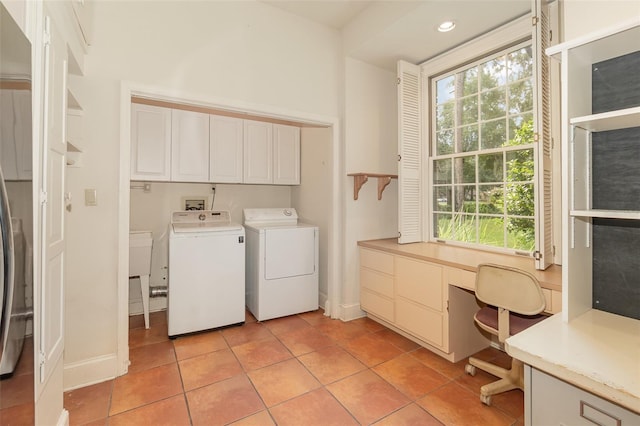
{"x":286,"y":212}
{"x":202,"y":216}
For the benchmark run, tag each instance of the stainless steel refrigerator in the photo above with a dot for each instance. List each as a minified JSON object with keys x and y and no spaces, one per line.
{"x":16,"y":225}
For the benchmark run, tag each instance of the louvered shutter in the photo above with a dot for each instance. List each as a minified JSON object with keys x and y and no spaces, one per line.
{"x":542,"y":105}
{"x":410,"y":189}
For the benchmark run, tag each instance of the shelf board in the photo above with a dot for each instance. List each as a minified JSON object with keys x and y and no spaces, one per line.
{"x":612,"y":120}
{"x":360,"y":179}
{"x":607,"y":214}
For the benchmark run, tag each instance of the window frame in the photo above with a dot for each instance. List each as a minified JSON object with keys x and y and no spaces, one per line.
{"x":431,"y":186}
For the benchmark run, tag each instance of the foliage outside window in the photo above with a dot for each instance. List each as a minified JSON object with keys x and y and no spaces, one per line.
{"x":483,"y":153}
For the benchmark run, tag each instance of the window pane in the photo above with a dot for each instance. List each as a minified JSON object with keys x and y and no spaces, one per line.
{"x":520,"y":64}
{"x":521,"y":234}
{"x":469,"y":81}
{"x":470,"y":138}
{"x":465,"y":198}
{"x":444,"y":142}
{"x":470,"y":110}
{"x":520,"y":165}
{"x":443,"y":226}
{"x":493,"y":134}
{"x":444,"y":116}
{"x":520,"y":97}
{"x":494,"y":73}
{"x":520,"y":199}
{"x":442,"y":198}
{"x":442,"y":171}
{"x":491,"y":199}
{"x":521,"y":129}
{"x":465,"y":169}
{"x":493,"y":104}
{"x":445,"y":89}
{"x":465,"y":228}
{"x":491,"y":231}
{"x":490,"y":168}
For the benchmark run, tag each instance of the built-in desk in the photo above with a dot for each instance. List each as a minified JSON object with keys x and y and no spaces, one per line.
{"x":425,"y":291}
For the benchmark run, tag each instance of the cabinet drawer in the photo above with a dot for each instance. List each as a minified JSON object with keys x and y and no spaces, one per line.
{"x":420,"y":282}
{"x":420,"y":321}
{"x":556,"y":402}
{"x":461,"y":278}
{"x":376,"y":260}
{"x":377,"y":305}
{"x":375,"y":281}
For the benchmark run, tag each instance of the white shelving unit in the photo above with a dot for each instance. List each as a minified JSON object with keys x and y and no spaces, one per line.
{"x":579,"y":124}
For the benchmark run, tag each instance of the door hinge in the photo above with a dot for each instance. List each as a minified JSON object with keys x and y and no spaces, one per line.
{"x":447,"y":306}
{"x":46,"y":36}
{"x":537,"y":255}
{"x":553,"y":250}
{"x":399,"y":81}
{"x":534,"y":21}
{"x":536,"y":137}
{"x":43,"y":197}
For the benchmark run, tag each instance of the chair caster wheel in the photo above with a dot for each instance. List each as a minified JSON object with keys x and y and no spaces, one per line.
{"x":485,"y":399}
{"x":470,"y":369}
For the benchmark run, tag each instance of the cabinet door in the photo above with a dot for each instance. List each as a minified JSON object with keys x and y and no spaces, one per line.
{"x":189,"y":146}
{"x":150,"y":143}
{"x":286,"y":155}
{"x":258,"y":152}
{"x":225,"y":145}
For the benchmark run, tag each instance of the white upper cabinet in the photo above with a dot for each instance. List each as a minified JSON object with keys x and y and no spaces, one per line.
{"x":225,"y":145}
{"x":286,"y":155}
{"x":150,"y":143}
{"x":258,"y":152}
{"x":189,"y":146}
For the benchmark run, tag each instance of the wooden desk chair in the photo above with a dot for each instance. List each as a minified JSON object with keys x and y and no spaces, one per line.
{"x":515,"y":301}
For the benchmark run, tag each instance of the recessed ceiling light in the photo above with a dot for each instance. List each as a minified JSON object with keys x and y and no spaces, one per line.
{"x":446,"y":26}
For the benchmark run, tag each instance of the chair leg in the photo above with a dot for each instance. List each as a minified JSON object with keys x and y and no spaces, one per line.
{"x":509,"y":379}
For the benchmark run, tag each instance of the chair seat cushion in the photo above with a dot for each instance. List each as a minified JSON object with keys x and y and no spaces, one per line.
{"x":489,"y":317}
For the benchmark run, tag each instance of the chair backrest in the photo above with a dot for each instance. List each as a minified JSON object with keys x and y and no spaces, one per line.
{"x":509,"y":288}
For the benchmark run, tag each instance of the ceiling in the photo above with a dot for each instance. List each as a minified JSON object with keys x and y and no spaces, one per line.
{"x":383,"y":31}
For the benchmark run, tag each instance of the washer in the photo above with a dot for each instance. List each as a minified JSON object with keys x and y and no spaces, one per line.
{"x":206,"y":272}
{"x":282,"y":263}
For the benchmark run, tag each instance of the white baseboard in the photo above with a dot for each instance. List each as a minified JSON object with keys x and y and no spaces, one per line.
{"x":351,"y":312}
{"x":63,"y":420}
{"x":90,"y":371}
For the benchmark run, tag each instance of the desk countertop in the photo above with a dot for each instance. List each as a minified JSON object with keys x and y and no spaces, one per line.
{"x":597,"y":351}
{"x":467,"y":259}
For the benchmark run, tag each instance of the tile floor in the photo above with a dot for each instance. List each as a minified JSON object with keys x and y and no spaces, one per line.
{"x":303,"y":369}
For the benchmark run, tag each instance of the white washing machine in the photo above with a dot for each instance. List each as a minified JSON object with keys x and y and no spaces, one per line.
{"x":206,"y":271}
{"x":282,"y":263}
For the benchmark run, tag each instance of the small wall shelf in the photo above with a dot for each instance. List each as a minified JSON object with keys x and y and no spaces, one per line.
{"x":360,"y":179}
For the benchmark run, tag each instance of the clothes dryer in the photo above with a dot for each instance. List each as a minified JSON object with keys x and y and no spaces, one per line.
{"x":281,"y":263}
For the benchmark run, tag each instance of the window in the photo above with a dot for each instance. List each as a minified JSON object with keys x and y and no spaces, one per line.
{"x":482,"y":152}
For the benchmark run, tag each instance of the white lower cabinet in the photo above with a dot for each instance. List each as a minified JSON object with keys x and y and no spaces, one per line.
{"x":415,"y":297}
{"x":189,"y":146}
{"x":555,"y":402}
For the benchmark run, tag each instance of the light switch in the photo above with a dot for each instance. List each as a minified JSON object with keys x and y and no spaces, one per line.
{"x":90,"y":197}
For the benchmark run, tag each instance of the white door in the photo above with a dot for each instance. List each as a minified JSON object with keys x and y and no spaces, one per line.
{"x":289,"y":252}
{"x":189,"y":146}
{"x":51,"y":342}
{"x":225,"y":145}
{"x":150,"y":143}
{"x":258,"y":152}
{"x":286,"y":155}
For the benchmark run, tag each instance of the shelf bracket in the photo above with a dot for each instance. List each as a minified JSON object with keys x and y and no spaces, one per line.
{"x":360,"y":179}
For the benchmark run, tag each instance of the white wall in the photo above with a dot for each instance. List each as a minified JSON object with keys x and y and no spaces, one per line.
{"x":584,"y":16}
{"x":371,"y":135}
{"x":247,"y":52}
{"x":150,"y":211}
{"x":312,"y":198}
